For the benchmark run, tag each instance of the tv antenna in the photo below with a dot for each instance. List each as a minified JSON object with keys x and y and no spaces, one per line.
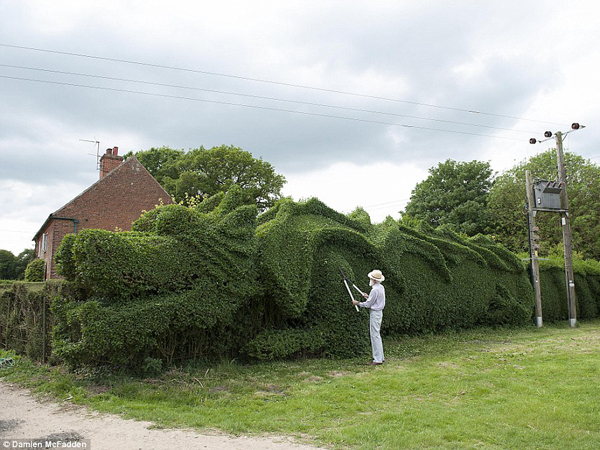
{"x":97,"y":151}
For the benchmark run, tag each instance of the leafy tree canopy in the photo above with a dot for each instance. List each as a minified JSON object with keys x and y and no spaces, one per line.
{"x":506,"y":205}
{"x":13,"y":267}
{"x":206,"y":172}
{"x":454,"y":194}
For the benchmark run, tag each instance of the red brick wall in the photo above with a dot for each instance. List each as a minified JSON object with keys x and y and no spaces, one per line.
{"x":113,"y":203}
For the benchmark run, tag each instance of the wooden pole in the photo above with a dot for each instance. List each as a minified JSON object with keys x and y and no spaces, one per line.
{"x":533,"y":251}
{"x":567,"y":236}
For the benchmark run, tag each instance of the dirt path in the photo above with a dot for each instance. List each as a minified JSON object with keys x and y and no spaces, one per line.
{"x":23,"y":417}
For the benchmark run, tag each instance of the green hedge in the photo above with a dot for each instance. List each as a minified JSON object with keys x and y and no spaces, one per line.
{"x":25,"y":319}
{"x":217,"y":281}
{"x":554,"y":290}
{"x":166,"y":290}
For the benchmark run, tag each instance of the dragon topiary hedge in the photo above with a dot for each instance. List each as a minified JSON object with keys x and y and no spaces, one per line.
{"x":218,"y":281}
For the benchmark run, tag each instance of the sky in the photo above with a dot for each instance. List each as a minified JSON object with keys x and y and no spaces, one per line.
{"x":351,"y":101}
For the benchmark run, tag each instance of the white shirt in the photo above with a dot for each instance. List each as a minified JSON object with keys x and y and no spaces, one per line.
{"x":376,"y":300}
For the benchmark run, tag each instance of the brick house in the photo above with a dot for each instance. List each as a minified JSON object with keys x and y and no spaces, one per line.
{"x":114,"y":202}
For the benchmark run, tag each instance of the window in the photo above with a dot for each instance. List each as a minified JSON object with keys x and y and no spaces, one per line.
{"x":44,"y":242}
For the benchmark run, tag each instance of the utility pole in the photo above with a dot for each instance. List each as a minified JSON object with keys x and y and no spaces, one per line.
{"x":563,"y":209}
{"x":533,"y":249}
{"x":567,"y":235}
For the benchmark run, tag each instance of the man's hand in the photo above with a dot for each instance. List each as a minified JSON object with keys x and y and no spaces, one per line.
{"x":365,"y":295}
{"x":355,"y":302}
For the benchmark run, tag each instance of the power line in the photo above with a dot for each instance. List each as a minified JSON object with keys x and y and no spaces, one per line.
{"x":263,"y":97}
{"x":258,"y":80}
{"x":387,"y":203}
{"x":265,"y":108}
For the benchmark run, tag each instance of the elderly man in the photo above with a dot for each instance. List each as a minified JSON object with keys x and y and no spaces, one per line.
{"x":375,"y":302}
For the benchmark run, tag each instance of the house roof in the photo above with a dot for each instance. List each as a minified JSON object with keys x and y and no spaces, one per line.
{"x":132,"y":160}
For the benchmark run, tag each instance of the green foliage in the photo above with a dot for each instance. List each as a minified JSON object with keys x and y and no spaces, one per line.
{"x":202,"y":173}
{"x":36,"y":271}
{"x":13,"y":267}
{"x":166,"y":292}
{"x":301,"y":249}
{"x":277,"y":344}
{"x":453,"y":282}
{"x":160,"y":162}
{"x":7,"y":265}
{"x":507,"y":205}
{"x":455,"y":193}
{"x":25,"y":319}
{"x":214,"y":281}
{"x":434,"y":280}
{"x":554,"y":291}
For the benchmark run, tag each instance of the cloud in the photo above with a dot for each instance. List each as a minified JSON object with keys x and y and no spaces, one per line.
{"x":536,"y":60}
{"x":26,"y":205}
{"x":381,"y":188}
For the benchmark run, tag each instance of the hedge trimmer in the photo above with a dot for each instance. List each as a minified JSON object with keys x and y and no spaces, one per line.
{"x":346,"y":281}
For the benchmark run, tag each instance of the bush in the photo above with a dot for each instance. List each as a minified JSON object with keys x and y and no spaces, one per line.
{"x":167,"y":290}
{"x":215,"y":281}
{"x":434,"y":280}
{"x":25,"y":319}
{"x":35,"y":271}
{"x":554,"y":290}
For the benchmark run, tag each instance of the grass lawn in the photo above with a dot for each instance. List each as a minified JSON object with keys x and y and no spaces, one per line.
{"x":523,"y":388}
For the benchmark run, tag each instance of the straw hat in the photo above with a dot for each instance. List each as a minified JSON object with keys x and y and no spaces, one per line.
{"x":376,"y":275}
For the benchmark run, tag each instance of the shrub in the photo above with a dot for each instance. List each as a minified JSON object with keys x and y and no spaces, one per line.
{"x":25,"y":319}
{"x":217,"y":281}
{"x":167,"y":292}
{"x":554,"y":290}
{"x":35,"y":271}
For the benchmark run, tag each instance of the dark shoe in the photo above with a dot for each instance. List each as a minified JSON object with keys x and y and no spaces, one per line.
{"x":376,"y":363}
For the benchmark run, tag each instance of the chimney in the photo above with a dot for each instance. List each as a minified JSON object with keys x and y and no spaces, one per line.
{"x":110,"y":161}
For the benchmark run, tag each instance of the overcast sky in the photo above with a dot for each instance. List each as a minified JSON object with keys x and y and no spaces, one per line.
{"x":324,"y":90}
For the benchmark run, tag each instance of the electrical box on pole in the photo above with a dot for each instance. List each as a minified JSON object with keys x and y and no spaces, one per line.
{"x":552,"y":196}
{"x":547,"y":195}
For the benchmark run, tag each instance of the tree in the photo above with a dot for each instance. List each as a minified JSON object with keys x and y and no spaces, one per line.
{"x":207,"y":172}
{"x":23,"y":259}
{"x":455,"y":193}
{"x":7,"y":265}
{"x":160,"y":162}
{"x":13,"y":267}
{"x":507,"y":205}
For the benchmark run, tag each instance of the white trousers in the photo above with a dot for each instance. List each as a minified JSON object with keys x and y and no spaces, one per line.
{"x":375,"y":318}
